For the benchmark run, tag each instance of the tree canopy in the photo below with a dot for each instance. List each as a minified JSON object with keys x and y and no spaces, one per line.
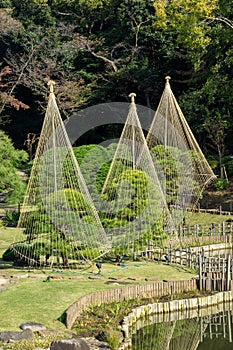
{"x":101,"y":50}
{"x":11,"y":184}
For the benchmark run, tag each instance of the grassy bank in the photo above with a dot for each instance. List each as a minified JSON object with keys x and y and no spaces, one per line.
{"x":34,"y":299}
{"x":206,"y":218}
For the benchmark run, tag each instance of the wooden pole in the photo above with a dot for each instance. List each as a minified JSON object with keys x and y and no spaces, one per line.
{"x":223,"y":272}
{"x":200,"y":271}
{"x":223,"y":228}
{"x":228,"y":271}
{"x":229,"y":326}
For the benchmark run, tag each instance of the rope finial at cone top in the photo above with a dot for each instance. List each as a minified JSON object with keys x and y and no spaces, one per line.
{"x":50,"y":84}
{"x":132,"y":96}
{"x":167,"y":78}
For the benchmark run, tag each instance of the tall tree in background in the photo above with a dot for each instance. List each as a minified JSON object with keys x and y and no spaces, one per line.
{"x":8,"y":27}
{"x":11,"y":160}
{"x":101,"y":50}
{"x":187,"y":19}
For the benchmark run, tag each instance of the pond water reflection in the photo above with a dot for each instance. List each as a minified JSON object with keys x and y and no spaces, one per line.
{"x":212,"y":330}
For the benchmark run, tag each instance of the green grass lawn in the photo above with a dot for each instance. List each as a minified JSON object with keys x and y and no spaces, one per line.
{"x":8,"y":235}
{"x":32,"y":299}
{"x":206,"y":218}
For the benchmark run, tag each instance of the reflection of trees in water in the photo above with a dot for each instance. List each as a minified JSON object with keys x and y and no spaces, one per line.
{"x":187,"y":334}
{"x":175,"y":335}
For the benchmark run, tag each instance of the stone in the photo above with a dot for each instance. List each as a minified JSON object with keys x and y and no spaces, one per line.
{"x":152,"y":279}
{"x":135,"y":278}
{"x":58,"y":277}
{"x":3,"y":281}
{"x":33,"y":326}
{"x":117,"y":282}
{"x":10,"y":336}
{"x":48,"y":332}
{"x":22,"y":275}
{"x":96,"y":277}
{"x":96,"y":344}
{"x":69,"y":344}
{"x":36,"y":275}
{"x":81,"y":278}
{"x":168,"y":281}
{"x":116,"y":278}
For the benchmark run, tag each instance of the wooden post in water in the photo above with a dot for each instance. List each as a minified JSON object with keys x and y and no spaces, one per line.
{"x":228,"y":271}
{"x":209,"y":274}
{"x":200,"y":271}
{"x":210,"y":330}
{"x":196,"y":230}
{"x":223,"y":272}
{"x":201,"y":328}
{"x":224,"y":324}
{"x":229,"y":326}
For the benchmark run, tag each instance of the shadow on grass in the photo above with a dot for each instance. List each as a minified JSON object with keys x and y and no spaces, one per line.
{"x":62,"y":318}
{"x":5,"y":264}
{"x":181,"y":268}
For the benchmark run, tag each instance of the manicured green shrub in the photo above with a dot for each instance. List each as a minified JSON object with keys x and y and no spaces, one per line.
{"x":220,"y":184}
{"x":92,"y":253}
{"x":19,"y":252}
{"x":228,"y":163}
{"x":11,"y":218}
{"x":9,"y":255}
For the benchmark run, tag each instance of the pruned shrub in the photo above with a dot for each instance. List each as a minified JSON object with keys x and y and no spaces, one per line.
{"x":220,"y":184}
{"x":11,"y":218}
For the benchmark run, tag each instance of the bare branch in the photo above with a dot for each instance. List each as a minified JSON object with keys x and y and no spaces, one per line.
{"x":17,"y":81}
{"x":105,"y":59}
{"x":137,"y":27}
{"x":225,"y":20}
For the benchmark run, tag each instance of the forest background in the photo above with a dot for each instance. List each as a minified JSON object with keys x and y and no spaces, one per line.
{"x":99,"y":51}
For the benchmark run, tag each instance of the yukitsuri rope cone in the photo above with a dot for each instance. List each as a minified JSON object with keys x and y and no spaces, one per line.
{"x":136,"y":208}
{"x":184,"y":171}
{"x":59,"y":224}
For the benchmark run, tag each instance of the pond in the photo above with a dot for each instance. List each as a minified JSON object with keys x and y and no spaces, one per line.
{"x":211,"y":329}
